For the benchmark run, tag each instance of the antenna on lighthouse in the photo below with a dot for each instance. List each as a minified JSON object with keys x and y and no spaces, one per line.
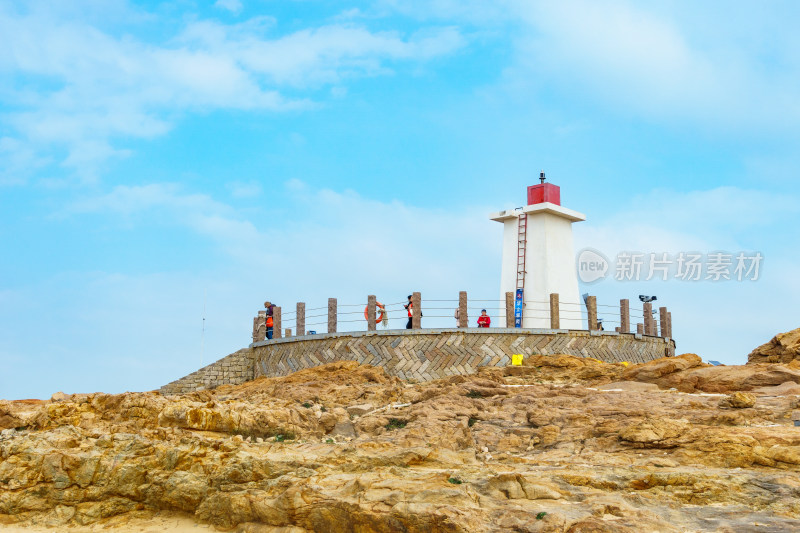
{"x":541,"y":176}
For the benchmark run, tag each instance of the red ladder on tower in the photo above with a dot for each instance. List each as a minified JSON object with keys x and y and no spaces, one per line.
{"x":522,"y":239}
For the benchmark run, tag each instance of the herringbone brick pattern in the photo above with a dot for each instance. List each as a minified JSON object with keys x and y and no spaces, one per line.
{"x":233,"y":369}
{"x":421,"y":355}
{"x":424,"y":356}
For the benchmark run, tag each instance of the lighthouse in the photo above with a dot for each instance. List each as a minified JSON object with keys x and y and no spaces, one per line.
{"x":538,"y":258}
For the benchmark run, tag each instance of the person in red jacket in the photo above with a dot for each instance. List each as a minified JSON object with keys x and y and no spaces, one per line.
{"x":484,"y":320}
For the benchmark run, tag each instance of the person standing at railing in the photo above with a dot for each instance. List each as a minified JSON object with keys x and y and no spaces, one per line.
{"x":410,"y":308}
{"x":270,"y":321}
{"x":484,"y":321}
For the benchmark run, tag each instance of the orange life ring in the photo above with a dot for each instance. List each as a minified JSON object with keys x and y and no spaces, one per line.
{"x":378,"y":306}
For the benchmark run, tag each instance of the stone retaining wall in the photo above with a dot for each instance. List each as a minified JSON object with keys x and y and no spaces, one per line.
{"x":421,"y":355}
{"x":233,"y":369}
{"x":425,"y":355}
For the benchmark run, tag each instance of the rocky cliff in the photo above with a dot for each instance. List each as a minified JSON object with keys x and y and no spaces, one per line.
{"x":558,"y":444}
{"x":783,"y":348}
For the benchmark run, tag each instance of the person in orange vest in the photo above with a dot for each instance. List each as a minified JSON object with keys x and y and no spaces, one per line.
{"x":409,"y":307}
{"x":270,"y":322}
{"x":484,"y":320}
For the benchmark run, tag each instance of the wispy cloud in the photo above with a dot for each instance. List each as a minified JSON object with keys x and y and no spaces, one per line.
{"x":94,"y":89}
{"x":234,"y":6}
{"x":657,"y":64}
{"x":673,"y":62}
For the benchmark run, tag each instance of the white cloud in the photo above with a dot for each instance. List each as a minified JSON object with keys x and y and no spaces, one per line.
{"x":659,"y":64}
{"x":667,"y":61}
{"x":249,"y":189}
{"x":719,"y":320}
{"x":17,"y":161}
{"x":672,"y":221}
{"x":324,"y":239}
{"x":234,"y":6}
{"x":70,"y":84}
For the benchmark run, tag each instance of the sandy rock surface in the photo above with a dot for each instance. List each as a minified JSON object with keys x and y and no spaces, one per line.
{"x":783,"y":348}
{"x":560,"y":444}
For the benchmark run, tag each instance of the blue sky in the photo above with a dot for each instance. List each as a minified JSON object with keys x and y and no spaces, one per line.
{"x":157,"y":158}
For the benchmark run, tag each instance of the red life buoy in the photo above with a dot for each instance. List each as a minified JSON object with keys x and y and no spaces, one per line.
{"x":379,"y":307}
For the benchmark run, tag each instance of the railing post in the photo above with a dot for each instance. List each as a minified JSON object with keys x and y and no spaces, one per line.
{"x":260,"y":327}
{"x":509,"y":309}
{"x":332,"y":315}
{"x":591,"y":312}
{"x":624,"y":316}
{"x":662,"y":312}
{"x":416,"y":308}
{"x":555,"y":312}
{"x":647,"y":311}
{"x":640,"y":328}
{"x":669,"y":323}
{"x":463,"y":317}
{"x":300,"y":323}
{"x":371,"y":304}
{"x":276,"y":322}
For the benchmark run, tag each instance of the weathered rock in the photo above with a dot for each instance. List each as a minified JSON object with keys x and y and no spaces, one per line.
{"x":653,"y":371}
{"x":565,"y":444}
{"x":739,"y":400}
{"x":783,"y":348}
{"x":358,"y":410}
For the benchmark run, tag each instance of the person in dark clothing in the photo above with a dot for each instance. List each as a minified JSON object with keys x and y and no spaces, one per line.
{"x":270,"y":321}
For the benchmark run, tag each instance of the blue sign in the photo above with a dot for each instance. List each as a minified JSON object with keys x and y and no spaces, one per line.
{"x":518,"y":309}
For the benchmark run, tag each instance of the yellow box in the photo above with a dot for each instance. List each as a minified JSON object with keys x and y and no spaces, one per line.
{"x":516,"y":359}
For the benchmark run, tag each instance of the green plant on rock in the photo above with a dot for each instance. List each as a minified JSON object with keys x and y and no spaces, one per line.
{"x":396,"y":423}
{"x":455,"y":481}
{"x":471,"y":421}
{"x":540,"y":515}
{"x":284,"y":436}
{"x":474,"y":394}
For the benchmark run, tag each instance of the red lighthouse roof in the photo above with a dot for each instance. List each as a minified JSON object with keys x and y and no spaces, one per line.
{"x":544,"y":192}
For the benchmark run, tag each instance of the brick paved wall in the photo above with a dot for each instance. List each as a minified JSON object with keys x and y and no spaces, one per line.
{"x":425,"y":355}
{"x":234,"y":369}
{"x":421,"y":355}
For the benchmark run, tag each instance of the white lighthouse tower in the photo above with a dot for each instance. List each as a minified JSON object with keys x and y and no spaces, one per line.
{"x":538,"y":258}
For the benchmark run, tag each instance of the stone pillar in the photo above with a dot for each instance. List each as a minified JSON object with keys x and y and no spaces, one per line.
{"x":371,"y":301}
{"x":591,"y":312}
{"x":276,"y":322}
{"x":647,"y":311}
{"x":640,"y":328}
{"x":662,"y":313}
{"x":463,"y":316}
{"x":509,"y":309}
{"x":288,"y":333}
{"x":555,"y":312}
{"x":300,"y":323}
{"x":669,"y":323}
{"x":332,"y":315}
{"x":416,"y":300}
{"x":260,"y":327}
{"x":624,"y":316}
